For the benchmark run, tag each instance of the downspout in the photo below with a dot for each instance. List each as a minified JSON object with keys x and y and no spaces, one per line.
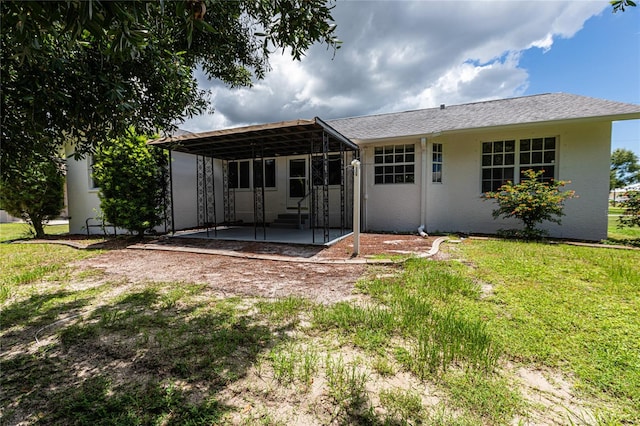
{"x":423,"y":189}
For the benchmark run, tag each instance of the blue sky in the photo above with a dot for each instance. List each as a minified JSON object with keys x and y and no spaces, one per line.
{"x":602,"y":60}
{"x":401,"y":55}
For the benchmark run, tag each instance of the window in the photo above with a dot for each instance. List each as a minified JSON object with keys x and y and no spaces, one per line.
{"x":436,"y":163}
{"x":90,"y":162}
{"x":538,"y":154}
{"x":334,"y":169}
{"x":239,"y":174}
{"x":269,"y":173}
{"x":394,"y":164}
{"x":501,"y":160}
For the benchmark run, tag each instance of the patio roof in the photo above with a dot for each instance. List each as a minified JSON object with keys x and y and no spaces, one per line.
{"x":261,"y":140}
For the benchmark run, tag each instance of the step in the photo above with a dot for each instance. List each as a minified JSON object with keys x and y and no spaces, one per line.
{"x":290,"y":220}
{"x":284,"y":225}
{"x":293,"y":216}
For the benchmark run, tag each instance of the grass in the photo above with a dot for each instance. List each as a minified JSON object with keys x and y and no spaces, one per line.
{"x":621,"y":235}
{"x":571,"y":308}
{"x":14,"y":231}
{"x":432,"y":343}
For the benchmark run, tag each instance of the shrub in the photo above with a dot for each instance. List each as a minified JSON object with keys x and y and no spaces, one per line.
{"x":531,"y":201}
{"x":131,"y":177}
{"x":631,"y":205}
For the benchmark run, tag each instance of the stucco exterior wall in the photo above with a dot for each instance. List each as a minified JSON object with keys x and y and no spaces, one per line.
{"x":83,"y":200}
{"x":456,"y":205}
{"x":389,"y":207}
{"x":185,"y":190}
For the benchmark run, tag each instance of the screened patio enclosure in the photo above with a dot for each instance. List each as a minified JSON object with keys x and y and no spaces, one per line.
{"x":273,"y":179}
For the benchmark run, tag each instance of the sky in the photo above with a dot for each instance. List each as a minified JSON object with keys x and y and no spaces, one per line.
{"x":399,"y":55}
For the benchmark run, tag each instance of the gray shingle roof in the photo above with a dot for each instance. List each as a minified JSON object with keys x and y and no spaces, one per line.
{"x":529,"y":109}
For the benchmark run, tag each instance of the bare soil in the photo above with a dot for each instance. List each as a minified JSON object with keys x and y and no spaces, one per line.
{"x":236,"y":276}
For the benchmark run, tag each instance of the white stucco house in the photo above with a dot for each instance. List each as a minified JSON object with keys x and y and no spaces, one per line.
{"x":424,"y":168}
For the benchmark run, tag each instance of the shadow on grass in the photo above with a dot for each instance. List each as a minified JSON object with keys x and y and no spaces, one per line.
{"x":140,"y":360}
{"x":633,"y":242}
{"x":41,"y":309}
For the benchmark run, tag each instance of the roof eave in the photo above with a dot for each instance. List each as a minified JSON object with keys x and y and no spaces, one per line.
{"x":608,"y":118}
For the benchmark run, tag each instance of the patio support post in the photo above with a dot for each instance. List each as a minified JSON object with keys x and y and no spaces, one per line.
{"x":229,"y":202}
{"x":264,"y":201}
{"x":258,"y":194}
{"x":312,"y":194}
{"x":342,"y":191}
{"x":173,"y":218}
{"x":205,"y":194}
{"x":199,"y":190}
{"x":325,"y":185}
{"x":213,"y":188}
{"x":356,"y":207}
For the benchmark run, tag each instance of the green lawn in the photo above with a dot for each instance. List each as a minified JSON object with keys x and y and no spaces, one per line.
{"x":14,"y":231}
{"x":431,"y":342}
{"x":625,"y":235}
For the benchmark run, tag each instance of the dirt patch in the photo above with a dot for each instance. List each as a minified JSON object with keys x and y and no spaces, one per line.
{"x":380,"y":245}
{"x":371,"y":245}
{"x":228,"y":276}
{"x":553,"y":398}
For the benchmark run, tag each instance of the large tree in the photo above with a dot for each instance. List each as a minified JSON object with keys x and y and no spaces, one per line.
{"x":84,"y":71}
{"x":625,"y":168}
{"x":33,"y":190}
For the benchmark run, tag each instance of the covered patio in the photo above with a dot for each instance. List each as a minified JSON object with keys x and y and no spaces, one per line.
{"x":318,"y":189}
{"x":271,"y":235}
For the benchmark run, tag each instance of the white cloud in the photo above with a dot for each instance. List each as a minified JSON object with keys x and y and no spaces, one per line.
{"x":400,"y":55}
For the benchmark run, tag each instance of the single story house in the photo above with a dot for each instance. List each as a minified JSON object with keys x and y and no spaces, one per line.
{"x":422,"y":169}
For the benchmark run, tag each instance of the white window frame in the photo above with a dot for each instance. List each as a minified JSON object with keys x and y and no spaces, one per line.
{"x":508,"y":158}
{"x":91,"y":183}
{"x":264,"y":165}
{"x":437,"y":163}
{"x":394,"y":164}
{"x":250,"y":164}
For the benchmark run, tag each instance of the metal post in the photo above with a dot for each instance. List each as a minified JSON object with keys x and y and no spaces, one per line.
{"x":264,"y":201}
{"x":325,"y":185}
{"x":252,"y":168}
{"x":356,"y":207}
{"x":199,"y":191}
{"x":173,"y":219}
{"x":213,"y":187}
{"x":205,"y":194}
{"x":342,"y":191}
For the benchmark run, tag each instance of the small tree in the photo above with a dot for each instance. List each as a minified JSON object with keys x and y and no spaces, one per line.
{"x":631,"y":205}
{"x":34,"y":190}
{"x":131,"y":177}
{"x":531,"y":201}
